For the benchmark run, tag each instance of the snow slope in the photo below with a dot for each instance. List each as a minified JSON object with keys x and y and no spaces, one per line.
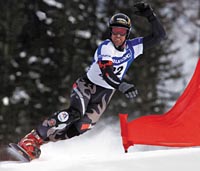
{"x":101,"y":150}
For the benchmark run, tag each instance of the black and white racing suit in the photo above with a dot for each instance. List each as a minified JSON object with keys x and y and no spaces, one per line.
{"x":92,"y":93}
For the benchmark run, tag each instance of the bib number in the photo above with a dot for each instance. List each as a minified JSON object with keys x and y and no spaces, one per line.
{"x":118,"y":71}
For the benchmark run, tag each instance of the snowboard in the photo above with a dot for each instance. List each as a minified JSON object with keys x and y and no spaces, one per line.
{"x":18,"y":152}
{"x":13,"y":152}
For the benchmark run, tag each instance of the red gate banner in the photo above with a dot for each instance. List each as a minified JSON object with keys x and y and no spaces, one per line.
{"x":179,"y":127}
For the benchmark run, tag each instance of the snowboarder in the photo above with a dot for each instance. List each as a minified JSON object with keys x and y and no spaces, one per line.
{"x":92,"y":92}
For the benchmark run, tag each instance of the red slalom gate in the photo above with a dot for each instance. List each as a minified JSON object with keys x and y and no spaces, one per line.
{"x":179,"y":127}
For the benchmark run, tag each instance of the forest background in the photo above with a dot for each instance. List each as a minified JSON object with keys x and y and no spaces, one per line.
{"x":45,"y":45}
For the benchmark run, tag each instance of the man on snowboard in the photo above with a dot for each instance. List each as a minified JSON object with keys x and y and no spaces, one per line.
{"x":92,"y":92}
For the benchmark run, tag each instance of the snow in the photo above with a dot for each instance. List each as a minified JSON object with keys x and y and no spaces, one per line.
{"x":101,"y":150}
{"x":83,"y":33}
{"x":53,"y":3}
{"x":41,"y":15}
{"x":5,"y":101}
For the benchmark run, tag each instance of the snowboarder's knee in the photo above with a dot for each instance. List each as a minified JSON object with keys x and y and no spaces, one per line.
{"x":80,"y":127}
{"x":57,"y":124}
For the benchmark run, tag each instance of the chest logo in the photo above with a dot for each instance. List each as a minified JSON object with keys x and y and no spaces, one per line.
{"x":126,"y":57}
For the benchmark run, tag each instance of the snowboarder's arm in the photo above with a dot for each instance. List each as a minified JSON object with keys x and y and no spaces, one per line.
{"x":158,"y":32}
{"x":108,"y":75}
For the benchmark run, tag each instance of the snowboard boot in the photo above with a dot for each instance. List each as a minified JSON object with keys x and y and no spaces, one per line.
{"x":31,"y":144}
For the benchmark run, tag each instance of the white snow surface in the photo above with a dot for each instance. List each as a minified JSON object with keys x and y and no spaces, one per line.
{"x":101,"y":150}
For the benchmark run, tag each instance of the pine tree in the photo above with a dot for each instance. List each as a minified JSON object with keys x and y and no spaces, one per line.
{"x":45,"y":47}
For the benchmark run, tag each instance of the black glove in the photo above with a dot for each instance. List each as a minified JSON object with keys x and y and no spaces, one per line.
{"x":145,"y":10}
{"x":128,"y":89}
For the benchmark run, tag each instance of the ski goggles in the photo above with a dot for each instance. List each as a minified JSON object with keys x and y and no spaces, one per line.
{"x":119,"y":31}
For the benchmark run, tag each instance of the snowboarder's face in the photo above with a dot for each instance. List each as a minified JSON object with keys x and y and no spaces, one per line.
{"x":118,"y":35}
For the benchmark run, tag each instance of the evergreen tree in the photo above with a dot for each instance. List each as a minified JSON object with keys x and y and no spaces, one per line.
{"x":11,"y":23}
{"x":45,"y":46}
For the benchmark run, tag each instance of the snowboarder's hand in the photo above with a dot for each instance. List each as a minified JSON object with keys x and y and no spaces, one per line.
{"x":128,"y":89}
{"x":145,"y":10}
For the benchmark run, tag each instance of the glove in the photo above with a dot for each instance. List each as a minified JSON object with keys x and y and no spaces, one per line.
{"x":145,"y":10}
{"x":128,"y":89}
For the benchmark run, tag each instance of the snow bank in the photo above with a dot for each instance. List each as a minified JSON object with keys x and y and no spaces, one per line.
{"x":101,"y":150}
